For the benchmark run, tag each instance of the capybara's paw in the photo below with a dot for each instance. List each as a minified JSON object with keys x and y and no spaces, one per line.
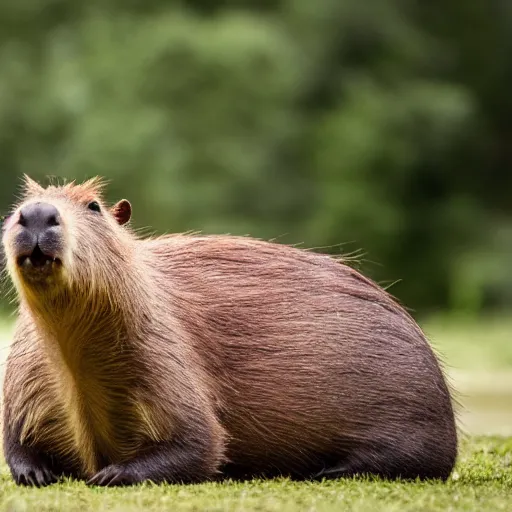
{"x":115,"y":475}
{"x":32,"y":473}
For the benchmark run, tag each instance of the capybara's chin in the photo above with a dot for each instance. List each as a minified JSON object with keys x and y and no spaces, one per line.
{"x":36,"y":268}
{"x":189,"y":358}
{"x":45,"y":274}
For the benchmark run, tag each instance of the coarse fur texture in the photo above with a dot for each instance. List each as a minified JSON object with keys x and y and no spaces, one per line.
{"x":184,"y":358}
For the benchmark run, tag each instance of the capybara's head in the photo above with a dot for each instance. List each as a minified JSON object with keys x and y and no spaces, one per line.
{"x":65,"y":235}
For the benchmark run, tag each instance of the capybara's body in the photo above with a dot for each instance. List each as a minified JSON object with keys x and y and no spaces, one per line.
{"x":185,"y":358}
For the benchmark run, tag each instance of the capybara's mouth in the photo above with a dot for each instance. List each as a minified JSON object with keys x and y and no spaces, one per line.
{"x":38,"y":261}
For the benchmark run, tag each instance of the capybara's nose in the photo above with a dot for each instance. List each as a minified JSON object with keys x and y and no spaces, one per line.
{"x":39,"y":217}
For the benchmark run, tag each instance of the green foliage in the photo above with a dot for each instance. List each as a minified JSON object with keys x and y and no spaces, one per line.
{"x":381,"y":124}
{"x":482,"y":481}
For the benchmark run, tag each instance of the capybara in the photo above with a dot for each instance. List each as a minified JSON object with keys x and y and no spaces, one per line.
{"x":186,"y":358}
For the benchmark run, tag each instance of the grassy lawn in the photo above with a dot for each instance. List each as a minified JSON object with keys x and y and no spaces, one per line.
{"x":478,"y":359}
{"x":478,"y":356}
{"x":482,"y":481}
{"x":472,"y":344}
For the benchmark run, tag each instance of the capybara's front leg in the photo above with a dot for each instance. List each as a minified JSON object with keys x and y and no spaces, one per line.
{"x":172,"y":462}
{"x":31,"y":466}
{"x":28,"y":467}
{"x":31,"y":422}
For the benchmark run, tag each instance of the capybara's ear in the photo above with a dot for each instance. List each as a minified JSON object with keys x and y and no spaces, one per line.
{"x":122,"y":211}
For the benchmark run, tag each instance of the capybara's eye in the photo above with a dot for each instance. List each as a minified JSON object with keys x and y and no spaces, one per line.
{"x":94,"y":206}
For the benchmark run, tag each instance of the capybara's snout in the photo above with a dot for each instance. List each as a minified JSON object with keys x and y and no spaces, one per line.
{"x":34,"y":237}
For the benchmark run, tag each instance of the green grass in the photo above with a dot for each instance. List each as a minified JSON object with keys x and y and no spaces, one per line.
{"x":472,"y":344}
{"x":477,"y":352}
{"x":482,"y":481}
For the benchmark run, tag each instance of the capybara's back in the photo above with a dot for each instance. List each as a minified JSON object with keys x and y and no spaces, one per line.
{"x":186,"y":358}
{"x":315,"y":369}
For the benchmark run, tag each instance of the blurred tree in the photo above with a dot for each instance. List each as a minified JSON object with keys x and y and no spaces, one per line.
{"x":385,"y":125}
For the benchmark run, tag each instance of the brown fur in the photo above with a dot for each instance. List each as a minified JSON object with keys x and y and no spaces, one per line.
{"x":287,"y":361}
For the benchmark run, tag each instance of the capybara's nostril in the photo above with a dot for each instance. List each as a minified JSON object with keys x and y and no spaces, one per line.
{"x":53,"y":220}
{"x":22,"y":221}
{"x":39,"y":216}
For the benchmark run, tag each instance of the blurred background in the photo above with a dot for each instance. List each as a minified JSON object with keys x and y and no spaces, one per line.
{"x":380,"y":129}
